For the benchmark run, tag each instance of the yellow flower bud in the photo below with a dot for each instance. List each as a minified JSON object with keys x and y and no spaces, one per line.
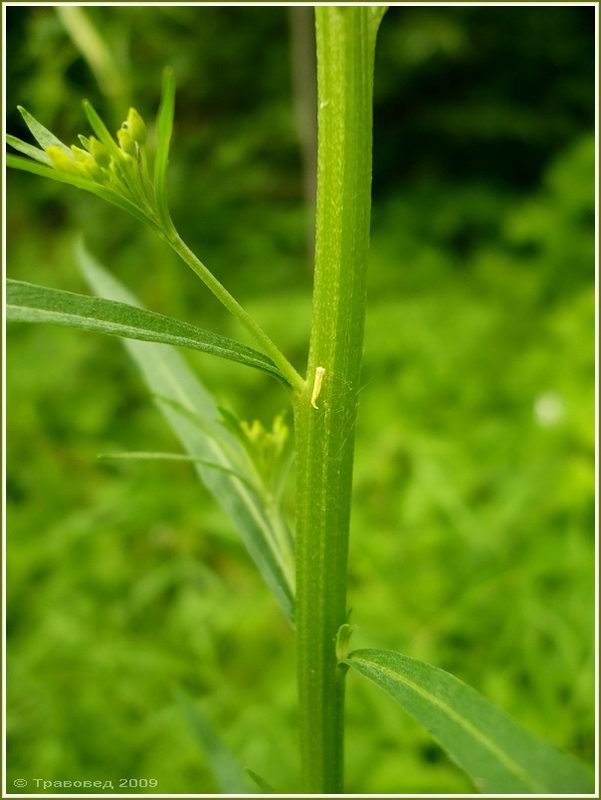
{"x":82,"y":155}
{"x":88,"y":162}
{"x":100,"y":153}
{"x":95,"y":173}
{"x":62,"y":161}
{"x":136,"y":126}
{"x":127,"y":143}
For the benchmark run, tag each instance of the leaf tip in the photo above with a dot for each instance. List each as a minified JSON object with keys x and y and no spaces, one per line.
{"x":87,"y":106}
{"x":25,"y":114}
{"x":169,"y":83}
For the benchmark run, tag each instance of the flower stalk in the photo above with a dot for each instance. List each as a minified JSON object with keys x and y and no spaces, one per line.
{"x":117,"y":169}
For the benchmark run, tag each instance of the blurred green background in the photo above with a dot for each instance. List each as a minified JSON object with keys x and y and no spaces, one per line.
{"x":472,"y":533}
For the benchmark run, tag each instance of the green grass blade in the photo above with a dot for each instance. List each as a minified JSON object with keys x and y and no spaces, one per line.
{"x":145,"y":456}
{"x":229,"y":775}
{"x":168,"y":376}
{"x":164,"y":129}
{"x":26,"y":165}
{"x":28,"y":149}
{"x":498,"y":755}
{"x":42,"y":135}
{"x":27,"y":302}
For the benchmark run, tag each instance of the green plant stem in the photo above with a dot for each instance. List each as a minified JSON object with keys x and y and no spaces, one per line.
{"x":325,"y":436}
{"x":234,"y":307}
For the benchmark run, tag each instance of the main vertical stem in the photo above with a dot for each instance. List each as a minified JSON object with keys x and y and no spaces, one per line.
{"x":325,"y":435}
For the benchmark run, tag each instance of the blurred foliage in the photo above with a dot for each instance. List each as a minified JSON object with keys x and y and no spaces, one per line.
{"x":472,"y":535}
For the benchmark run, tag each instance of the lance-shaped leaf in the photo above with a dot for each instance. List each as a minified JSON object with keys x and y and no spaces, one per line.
{"x":26,"y":302}
{"x":28,"y":150}
{"x":164,"y":129}
{"x":42,"y":135}
{"x":143,"y":456}
{"x":498,"y":755}
{"x":26,"y":165}
{"x":258,"y":521}
{"x":101,"y":130}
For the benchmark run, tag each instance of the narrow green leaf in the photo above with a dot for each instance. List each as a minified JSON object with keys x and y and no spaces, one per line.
{"x":26,"y":302}
{"x":101,"y":130}
{"x":164,"y":129}
{"x":229,"y":775}
{"x":232,"y":424}
{"x":42,"y":135}
{"x":28,"y":149}
{"x":266,"y":788}
{"x":143,"y":456}
{"x":498,"y":755}
{"x":237,"y":455}
{"x":168,"y":376}
{"x":26,"y":165}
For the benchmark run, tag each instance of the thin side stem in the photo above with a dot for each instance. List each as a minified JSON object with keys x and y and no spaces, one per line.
{"x":234,"y":307}
{"x":325,"y":412}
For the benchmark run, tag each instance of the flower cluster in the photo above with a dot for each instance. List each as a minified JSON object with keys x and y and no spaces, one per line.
{"x":267,"y":447}
{"x":114,"y":168}
{"x":122,"y":167}
{"x":95,"y":162}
